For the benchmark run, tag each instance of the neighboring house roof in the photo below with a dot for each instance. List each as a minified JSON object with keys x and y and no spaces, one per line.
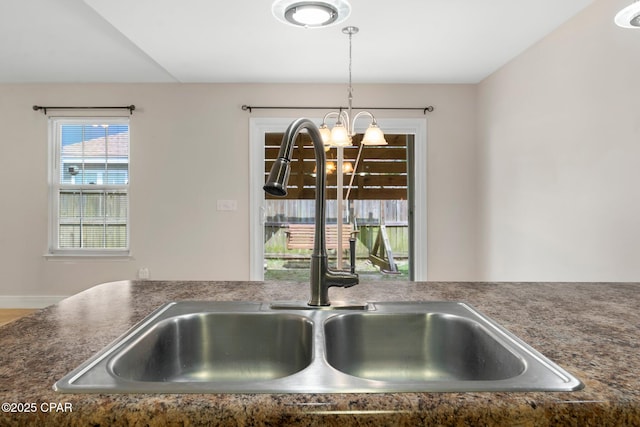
{"x":116,"y":145}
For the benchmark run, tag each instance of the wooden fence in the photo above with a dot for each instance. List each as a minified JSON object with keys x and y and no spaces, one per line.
{"x":380,"y":175}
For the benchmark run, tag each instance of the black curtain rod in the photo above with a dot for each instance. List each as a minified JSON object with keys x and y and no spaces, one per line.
{"x":424,"y":110}
{"x":44,"y":109}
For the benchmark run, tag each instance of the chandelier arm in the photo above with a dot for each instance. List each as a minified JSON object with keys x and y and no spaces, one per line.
{"x":329,"y":114}
{"x":347,"y":121}
{"x":361,"y":113}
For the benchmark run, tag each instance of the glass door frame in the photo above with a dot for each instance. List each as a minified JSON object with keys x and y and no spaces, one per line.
{"x":259,"y":127}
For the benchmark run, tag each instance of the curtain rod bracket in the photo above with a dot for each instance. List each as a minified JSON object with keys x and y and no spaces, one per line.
{"x":131,"y":108}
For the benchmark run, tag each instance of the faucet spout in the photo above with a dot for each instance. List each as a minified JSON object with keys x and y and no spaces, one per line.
{"x":322,"y":277}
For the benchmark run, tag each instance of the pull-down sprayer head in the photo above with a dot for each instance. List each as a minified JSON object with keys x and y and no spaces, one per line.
{"x":276,"y":184}
{"x":279,"y":176}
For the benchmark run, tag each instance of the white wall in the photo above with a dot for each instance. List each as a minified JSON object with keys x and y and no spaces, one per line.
{"x":559,"y":156}
{"x":190,"y":148}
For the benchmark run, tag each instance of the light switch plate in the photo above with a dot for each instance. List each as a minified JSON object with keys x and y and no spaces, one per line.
{"x":227,"y":205}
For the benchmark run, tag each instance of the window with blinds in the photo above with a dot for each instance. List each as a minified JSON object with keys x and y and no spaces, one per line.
{"x":89,"y":186}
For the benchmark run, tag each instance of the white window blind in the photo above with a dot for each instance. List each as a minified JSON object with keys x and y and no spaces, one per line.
{"x":89,"y":186}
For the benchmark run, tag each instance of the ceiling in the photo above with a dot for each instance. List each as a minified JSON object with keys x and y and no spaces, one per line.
{"x":404,"y":41}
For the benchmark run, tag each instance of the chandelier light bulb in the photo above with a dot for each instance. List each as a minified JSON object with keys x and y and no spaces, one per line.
{"x":340,"y":136}
{"x":374,"y":136}
{"x":325,"y":133}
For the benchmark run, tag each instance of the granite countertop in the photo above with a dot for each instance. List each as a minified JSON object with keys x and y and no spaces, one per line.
{"x":590,"y":329}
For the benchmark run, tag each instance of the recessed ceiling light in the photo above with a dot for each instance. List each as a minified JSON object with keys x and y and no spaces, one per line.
{"x":311,"y":14}
{"x":629,"y":17}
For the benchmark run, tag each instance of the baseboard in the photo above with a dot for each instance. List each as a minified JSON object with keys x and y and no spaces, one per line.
{"x":28,"y":301}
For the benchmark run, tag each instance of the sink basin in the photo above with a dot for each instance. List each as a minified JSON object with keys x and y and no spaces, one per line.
{"x":210,"y":347}
{"x":253,"y":347}
{"x":417,"y":347}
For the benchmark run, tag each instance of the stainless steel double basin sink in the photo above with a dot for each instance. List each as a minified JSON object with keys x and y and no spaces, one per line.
{"x":245,"y":347}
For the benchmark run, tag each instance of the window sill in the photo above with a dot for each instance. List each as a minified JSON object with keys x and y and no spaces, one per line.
{"x":115,"y":255}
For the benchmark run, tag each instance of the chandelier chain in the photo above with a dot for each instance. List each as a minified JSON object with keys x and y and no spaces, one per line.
{"x":350,"y":31}
{"x":350,"y":60}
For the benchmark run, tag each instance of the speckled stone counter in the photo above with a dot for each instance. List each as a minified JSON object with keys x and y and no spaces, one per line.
{"x":590,"y":329}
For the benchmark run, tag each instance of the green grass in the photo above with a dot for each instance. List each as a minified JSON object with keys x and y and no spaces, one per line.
{"x":298,"y":270}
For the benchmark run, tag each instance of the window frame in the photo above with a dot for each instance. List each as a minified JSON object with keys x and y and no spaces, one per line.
{"x":55,"y":186}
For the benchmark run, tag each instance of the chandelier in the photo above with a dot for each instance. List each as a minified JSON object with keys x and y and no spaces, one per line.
{"x":344,"y":129}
